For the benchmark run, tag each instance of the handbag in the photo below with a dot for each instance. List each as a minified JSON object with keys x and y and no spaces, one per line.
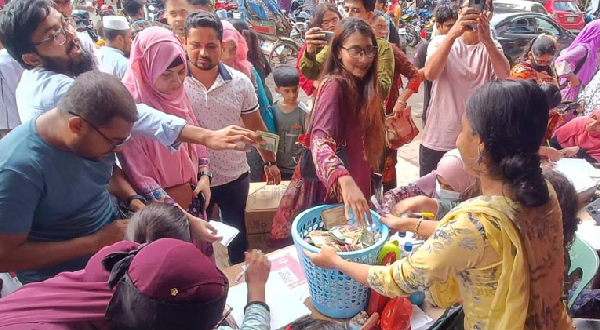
{"x":400,"y":129}
{"x":307,"y":165}
{"x":182,"y":194}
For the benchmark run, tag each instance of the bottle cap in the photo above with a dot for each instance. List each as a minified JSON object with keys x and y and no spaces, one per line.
{"x":402,"y":234}
{"x":408,"y":246}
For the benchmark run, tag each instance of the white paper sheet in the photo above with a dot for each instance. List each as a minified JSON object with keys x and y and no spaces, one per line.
{"x":590,"y":233}
{"x":583,"y":175}
{"x":420,"y":320}
{"x":286,"y":305}
{"x":227,"y":232}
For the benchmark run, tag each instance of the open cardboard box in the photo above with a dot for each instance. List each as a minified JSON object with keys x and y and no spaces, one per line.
{"x":263,"y":201}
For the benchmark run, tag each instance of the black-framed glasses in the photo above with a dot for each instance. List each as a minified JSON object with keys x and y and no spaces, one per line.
{"x":357,"y":52}
{"x":60,"y":36}
{"x":112,"y":142}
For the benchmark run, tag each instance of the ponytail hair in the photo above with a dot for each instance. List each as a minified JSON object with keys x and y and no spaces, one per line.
{"x":511,"y":117}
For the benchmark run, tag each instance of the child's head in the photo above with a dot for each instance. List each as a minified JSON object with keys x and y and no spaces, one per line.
{"x":452,"y":181}
{"x":158,"y":220}
{"x":286,"y":81}
{"x":552,"y":94}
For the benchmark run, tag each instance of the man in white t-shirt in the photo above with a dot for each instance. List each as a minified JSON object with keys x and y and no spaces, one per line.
{"x":222,"y":96}
{"x":458,"y":64}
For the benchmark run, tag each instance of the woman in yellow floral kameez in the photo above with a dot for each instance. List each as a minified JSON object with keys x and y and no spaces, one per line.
{"x":500,"y":254}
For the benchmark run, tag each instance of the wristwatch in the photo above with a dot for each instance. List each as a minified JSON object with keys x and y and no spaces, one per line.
{"x":205,"y":173}
{"x":131,"y":198}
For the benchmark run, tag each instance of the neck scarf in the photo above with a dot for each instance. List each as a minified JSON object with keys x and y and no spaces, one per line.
{"x":590,"y":38}
{"x":240,"y":61}
{"x":575,"y":134}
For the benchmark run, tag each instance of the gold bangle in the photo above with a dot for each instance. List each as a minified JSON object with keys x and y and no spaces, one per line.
{"x":417,"y":226}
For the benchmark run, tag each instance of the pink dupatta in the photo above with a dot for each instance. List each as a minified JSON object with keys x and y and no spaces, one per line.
{"x":148,"y":164}
{"x":575,"y":134}
{"x":240,"y":61}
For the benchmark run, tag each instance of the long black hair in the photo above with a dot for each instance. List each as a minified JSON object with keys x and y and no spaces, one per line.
{"x":255,"y":54}
{"x":510,"y":117}
{"x":364,"y":92}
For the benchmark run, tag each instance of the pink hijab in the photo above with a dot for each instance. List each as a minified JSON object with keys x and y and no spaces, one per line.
{"x":575,"y":134}
{"x":80,"y":296}
{"x":451,"y":169}
{"x":153,"y":50}
{"x":240,"y":61}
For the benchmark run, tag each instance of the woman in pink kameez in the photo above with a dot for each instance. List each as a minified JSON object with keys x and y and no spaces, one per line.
{"x":157,"y":69}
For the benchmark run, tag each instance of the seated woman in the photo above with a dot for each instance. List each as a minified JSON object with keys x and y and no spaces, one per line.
{"x":537,"y":61}
{"x":580,"y":138}
{"x":125,"y":274}
{"x":449,"y":182}
{"x":155,"y":77}
{"x":501,"y":254}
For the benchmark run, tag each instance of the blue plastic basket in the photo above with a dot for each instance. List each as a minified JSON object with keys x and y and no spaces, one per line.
{"x":334,"y":294}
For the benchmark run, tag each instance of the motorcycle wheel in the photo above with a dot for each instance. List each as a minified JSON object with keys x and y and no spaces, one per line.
{"x":283,"y":52}
{"x":414,"y":39}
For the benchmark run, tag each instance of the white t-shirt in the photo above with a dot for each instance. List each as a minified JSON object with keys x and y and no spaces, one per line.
{"x":231,"y":96}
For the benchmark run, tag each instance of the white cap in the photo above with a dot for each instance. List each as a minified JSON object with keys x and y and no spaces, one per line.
{"x":118,"y":23}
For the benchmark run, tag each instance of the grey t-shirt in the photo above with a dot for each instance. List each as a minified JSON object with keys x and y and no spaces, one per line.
{"x":289,"y":127}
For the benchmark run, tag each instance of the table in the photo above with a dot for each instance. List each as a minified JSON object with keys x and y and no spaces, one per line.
{"x":233,"y":271}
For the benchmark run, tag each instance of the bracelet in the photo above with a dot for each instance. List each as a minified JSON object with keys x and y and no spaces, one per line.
{"x":402,"y":102}
{"x":417,"y":226}
{"x":268,"y":164}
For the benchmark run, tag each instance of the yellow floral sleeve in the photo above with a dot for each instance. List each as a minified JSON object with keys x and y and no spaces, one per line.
{"x":457,"y":244}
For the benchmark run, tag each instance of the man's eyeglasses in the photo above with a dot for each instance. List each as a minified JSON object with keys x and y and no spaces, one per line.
{"x":60,"y":36}
{"x":357,"y":52}
{"x":112,"y":142}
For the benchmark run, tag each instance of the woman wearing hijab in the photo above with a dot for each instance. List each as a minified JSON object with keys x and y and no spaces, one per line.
{"x":448,"y":182}
{"x":576,"y":65}
{"x":580,"y":138}
{"x":155,"y":77}
{"x":132,"y":286}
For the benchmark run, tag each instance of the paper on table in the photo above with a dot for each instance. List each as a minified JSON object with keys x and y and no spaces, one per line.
{"x":579,"y":172}
{"x":286,"y":305}
{"x":420,"y":320}
{"x":227,"y":232}
{"x":590,"y":233}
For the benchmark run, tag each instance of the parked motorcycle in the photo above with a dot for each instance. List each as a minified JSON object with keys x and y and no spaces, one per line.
{"x":83,"y":23}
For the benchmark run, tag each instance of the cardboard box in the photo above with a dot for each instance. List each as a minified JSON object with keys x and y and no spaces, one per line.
{"x":259,"y":242}
{"x":263,"y":201}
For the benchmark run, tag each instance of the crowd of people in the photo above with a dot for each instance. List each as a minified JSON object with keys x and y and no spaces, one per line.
{"x":113,"y":158}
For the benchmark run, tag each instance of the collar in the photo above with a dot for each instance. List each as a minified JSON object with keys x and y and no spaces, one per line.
{"x":114,"y":50}
{"x":223,"y":72}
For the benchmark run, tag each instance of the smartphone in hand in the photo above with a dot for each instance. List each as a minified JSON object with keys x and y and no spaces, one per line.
{"x":478,"y":5}
{"x":328,"y":35}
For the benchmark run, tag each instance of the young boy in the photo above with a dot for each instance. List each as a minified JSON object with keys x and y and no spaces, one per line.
{"x":289,"y":119}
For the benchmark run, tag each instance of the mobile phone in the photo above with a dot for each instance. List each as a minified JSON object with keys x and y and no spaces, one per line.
{"x":477,"y":5}
{"x":328,"y":35}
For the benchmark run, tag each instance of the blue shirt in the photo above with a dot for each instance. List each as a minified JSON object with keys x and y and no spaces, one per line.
{"x":41,"y":90}
{"x":112,"y":61}
{"x":52,"y":195}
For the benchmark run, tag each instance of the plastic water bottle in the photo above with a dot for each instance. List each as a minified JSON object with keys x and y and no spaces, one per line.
{"x":407,"y":249}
